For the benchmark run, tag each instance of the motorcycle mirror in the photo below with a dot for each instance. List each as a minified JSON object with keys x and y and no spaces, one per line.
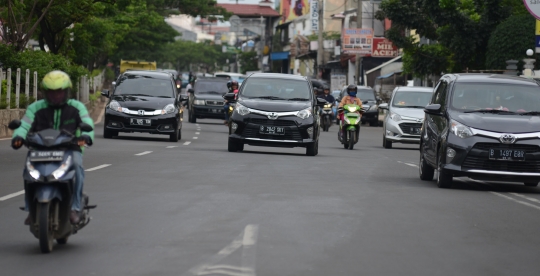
{"x":15,"y":124}
{"x":230,"y":97}
{"x":86,"y":127}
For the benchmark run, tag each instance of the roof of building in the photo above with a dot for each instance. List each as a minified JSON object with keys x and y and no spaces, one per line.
{"x":250,"y":10}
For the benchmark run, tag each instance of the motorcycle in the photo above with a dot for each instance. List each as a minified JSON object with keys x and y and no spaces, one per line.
{"x":49,"y":177}
{"x":350,"y":125}
{"x":326,"y":116}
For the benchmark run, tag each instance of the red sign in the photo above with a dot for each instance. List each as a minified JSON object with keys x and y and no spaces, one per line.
{"x":383,"y":47}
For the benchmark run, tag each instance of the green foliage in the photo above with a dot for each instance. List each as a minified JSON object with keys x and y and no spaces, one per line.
{"x":183,"y":53}
{"x":24,"y":101}
{"x":109,"y":74}
{"x":248,"y":61}
{"x":510,"y":40}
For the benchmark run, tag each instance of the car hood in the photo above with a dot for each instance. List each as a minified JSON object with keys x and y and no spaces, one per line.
{"x":498,"y":122}
{"x":416,"y":113}
{"x":142,"y":102}
{"x":274,"y":105}
{"x":213,"y":97}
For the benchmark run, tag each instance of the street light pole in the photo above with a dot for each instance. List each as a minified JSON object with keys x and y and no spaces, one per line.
{"x":358,"y":25}
{"x":320,"y":50}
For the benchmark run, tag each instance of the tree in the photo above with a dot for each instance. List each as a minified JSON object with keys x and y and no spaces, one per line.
{"x":249,"y":61}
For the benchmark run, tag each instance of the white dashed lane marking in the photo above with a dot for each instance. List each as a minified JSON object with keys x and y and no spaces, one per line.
{"x":97,"y":168}
{"x":12,"y":195}
{"x":195,"y":138}
{"x":143,"y":153}
{"x":197,"y":133}
{"x":172,"y":147}
{"x":187,"y":143}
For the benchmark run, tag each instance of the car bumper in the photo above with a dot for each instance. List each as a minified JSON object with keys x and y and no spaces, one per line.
{"x":216,"y":112}
{"x":472,"y":160}
{"x":406,"y":132}
{"x":117,"y":121}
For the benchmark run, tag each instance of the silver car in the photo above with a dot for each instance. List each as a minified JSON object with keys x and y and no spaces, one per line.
{"x":405,"y":115}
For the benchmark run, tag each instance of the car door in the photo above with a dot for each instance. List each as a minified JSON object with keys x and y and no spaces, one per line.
{"x":434,"y":125}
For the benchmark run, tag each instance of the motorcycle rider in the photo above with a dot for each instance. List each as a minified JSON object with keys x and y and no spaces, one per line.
{"x":58,"y":111}
{"x":328,"y":97}
{"x":350,"y":98}
{"x":233,"y":88}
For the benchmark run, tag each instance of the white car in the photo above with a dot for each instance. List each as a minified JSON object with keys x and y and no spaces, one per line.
{"x":405,"y":115}
{"x":233,"y":76}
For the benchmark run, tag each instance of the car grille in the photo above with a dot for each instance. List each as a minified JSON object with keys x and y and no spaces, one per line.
{"x":407,"y":128}
{"x":253,"y":132}
{"x":268,"y":122}
{"x":478,"y":158}
{"x":215,"y":103}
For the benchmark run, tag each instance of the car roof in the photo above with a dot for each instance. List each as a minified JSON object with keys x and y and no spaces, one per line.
{"x":153,"y":74}
{"x":414,"y":89}
{"x":277,"y":76}
{"x":492,"y":78}
{"x":207,"y":79}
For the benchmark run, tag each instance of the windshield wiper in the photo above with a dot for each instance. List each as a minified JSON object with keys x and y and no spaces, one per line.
{"x":530,"y":113}
{"x":410,"y":106}
{"x":298,"y":99}
{"x":269,"y":97}
{"x":494,"y":111}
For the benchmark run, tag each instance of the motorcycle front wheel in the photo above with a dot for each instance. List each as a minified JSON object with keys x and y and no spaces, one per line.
{"x":352,"y":138}
{"x":46,"y":233}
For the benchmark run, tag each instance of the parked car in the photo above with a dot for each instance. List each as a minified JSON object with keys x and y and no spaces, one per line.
{"x":275,"y":110}
{"x":485,"y":127}
{"x":403,"y":120}
{"x":206,"y":99}
{"x":369,"y":103}
{"x":144,"y":101}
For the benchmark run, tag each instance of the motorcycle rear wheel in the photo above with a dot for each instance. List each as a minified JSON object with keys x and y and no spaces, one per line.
{"x":46,"y":233}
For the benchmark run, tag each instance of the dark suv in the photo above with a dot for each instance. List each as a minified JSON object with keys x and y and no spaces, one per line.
{"x":369,"y":102}
{"x":144,"y":101}
{"x":206,"y":98}
{"x":276,"y":110}
{"x":485,"y":127}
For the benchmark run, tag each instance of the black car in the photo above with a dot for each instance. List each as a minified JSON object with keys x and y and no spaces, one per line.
{"x":206,"y":98}
{"x":485,"y":127}
{"x":369,"y":102}
{"x":275,"y":110}
{"x":144,"y":101}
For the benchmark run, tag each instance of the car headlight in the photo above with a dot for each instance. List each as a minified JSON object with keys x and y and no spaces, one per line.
{"x":242,"y":110}
{"x":304,"y":113}
{"x":58,"y":173}
{"x":395,"y":116}
{"x":114,"y":105}
{"x":168,"y":109}
{"x":33,"y":172}
{"x":373,"y":107}
{"x":460,"y":130}
{"x":198,"y":102}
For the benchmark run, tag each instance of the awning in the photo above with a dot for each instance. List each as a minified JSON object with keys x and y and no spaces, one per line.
{"x":334,"y":64}
{"x":389,"y":75}
{"x":279,"y":55}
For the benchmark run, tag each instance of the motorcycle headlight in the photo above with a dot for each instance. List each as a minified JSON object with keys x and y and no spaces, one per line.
{"x":327,"y":106}
{"x":373,"y":107}
{"x":58,"y":173}
{"x":242,"y":110}
{"x":460,"y":130}
{"x":114,"y":105}
{"x":198,"y":102}
{"x":395,"y":116}
{"x":304,"y":113}
{"x":33,"y":172}
{"x":178,"y":86}
{"x":168,"y":109}
{"x":352,"y":108}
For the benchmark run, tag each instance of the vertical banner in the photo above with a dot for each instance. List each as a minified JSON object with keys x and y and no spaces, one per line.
{"x":537,"y":32}
{"x":357,"y":41}
{"x":314,"y":11}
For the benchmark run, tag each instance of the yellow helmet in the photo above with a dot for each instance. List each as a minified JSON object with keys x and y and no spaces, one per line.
{"x":56,"y":88}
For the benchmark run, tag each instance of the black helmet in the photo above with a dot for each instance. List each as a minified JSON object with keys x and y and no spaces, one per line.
{"x":229,"y":85}
{"x":352,"y":90}
{"x":326,"y":87}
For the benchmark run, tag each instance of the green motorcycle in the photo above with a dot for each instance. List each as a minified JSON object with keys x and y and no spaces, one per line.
{"x":349,"y":127}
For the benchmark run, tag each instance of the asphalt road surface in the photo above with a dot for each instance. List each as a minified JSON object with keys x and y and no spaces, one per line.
{"x":192,"y":208}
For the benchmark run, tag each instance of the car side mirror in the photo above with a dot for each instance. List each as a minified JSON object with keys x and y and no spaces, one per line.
{"x":105,"y":93}
{"x":383,"y":106}
{"x":433,"y":109}
{"x":15,"y":124}
{"x":230,"y":97}
{"x":191,"y":91}
{"x":321,"y":101}
{"x":113,"y":83}
{"x":86,"y":127}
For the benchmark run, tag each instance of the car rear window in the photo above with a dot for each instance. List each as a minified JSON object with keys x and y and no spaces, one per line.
{"x":144,"y":86}
{"x":282,"y":88}
{"x":210,"y":87}
{"x":411,"y":99}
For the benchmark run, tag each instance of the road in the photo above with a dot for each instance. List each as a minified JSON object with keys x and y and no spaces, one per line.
{"x":192,"y":208}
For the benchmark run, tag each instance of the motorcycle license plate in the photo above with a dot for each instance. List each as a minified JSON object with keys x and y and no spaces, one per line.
{"x":272,"y":130}
{"x":140,"y":122}
{"x":507,"y":155}
{"x":46,"y":156}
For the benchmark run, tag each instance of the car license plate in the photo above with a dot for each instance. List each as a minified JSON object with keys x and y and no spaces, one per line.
{"x":43,"y":156}
{"x":506,"y":154}
{"x":140,"y":122}
{"x":273,"y":130}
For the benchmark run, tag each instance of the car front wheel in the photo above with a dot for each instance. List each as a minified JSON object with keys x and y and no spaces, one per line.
{"x":444,"y":179}
{"x":425,"y":170}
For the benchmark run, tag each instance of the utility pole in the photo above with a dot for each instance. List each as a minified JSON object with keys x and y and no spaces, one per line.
{"x":358,"y":25}
{"x":320,"y":50}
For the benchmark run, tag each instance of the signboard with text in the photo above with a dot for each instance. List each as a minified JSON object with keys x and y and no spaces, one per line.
{"x":314,"y":11}
{"x":533,"y":6}
{"x":383,"y":47}
{"x":357,"y":41}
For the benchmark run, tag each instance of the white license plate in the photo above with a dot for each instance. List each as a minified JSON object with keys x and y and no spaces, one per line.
{"x":140,"y":122}
{"x":42,"y":156}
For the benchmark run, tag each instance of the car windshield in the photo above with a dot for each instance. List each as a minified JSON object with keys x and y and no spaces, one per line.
{"x":411,"y":99}
{"x":486,"y":97}
{"x":144,"y":86}
{"x":363,"y":94}
{"x":276,"y":89}
{"x":210,"y":87}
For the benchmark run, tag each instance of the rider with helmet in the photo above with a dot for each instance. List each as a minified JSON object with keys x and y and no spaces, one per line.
{"x":327,"y":96}
{"x":58,"y":111}
{"x":350,"y":98}
{"x":232,"y":85}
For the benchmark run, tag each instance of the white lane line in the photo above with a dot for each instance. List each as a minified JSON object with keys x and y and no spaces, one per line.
{"x":526,"y":197}
{"x":172,"y":147}
{"x":518,"y":201}
{"x":249,"y":253}
{"x":197,"y":133}
{"x":97,"y":168}
{"x":187,"y":143}
{"x":195,"y":138}
{"x":12,"y":195}
{"x":143,"y":153}
{"x":408,"y":164}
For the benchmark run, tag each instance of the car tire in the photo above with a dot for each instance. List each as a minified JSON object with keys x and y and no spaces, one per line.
{"x":174,"y":137}
{"x":425,"y":171}
{"x":232,"y":146}
{"x":192,"y":118}
{"x":444,"y":179}
{"x":386,"y":144}
{"x":313,"y":149}
{"x":531,"y":184}
{"x":107,"y":134}
{"x":352,"y":138}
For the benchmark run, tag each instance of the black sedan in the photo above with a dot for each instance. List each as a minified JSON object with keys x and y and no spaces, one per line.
{"x":144,"y":101}
{"x":275,"y":110}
